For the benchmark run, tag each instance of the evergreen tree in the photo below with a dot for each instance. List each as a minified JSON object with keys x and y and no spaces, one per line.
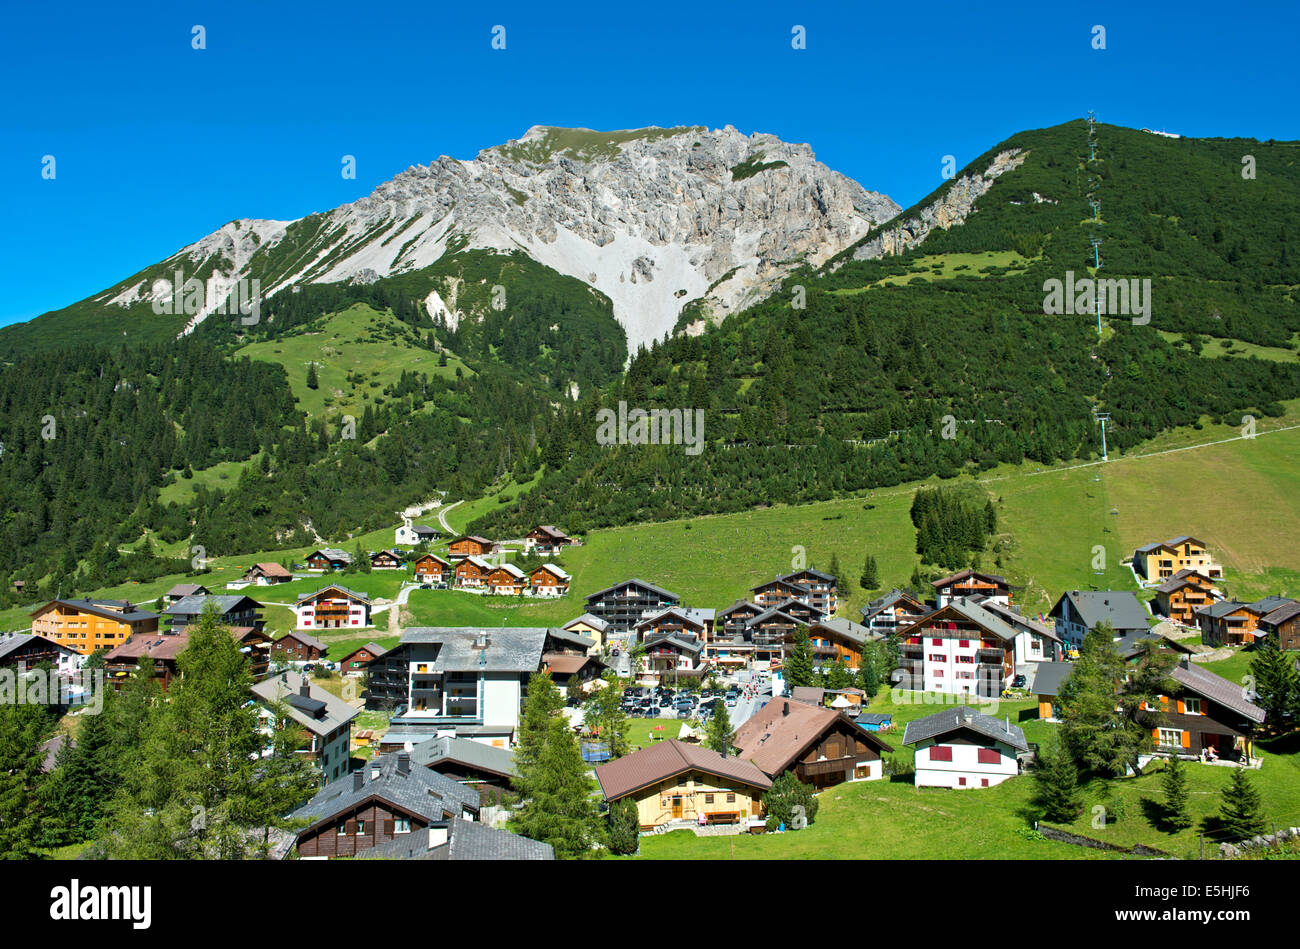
{"x":717,"y":734}
{"x":603,"y":714}
{"x":1174,"y":784}
{"x":24,"y":727}
{"x":541,"y":706}
{"x":624,"y":827}
{"x":790,"y":802}
{"x":870,"y":579}
{"x":312,"y":382}
{"x":834,"y":569}
{"x":1240,"y":811}
{"x":1057,"y":786}
{"x":1277,"y":685}
{"x":798,"y":668}
{"x":559,"y":807}
{"x":1101,"y":726}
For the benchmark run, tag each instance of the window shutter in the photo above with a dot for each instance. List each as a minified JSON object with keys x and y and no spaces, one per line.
{"x":1182,"y":707}
{"x":388,"y":827}
{"x":1155,"y":734}
{"x":1187,"y":739}
{"x":351,"y":828}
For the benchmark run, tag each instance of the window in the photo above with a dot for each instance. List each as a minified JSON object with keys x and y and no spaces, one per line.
{"x":938,"y":673}
{"x":938,"y":657}
{"x":1171,"y":736}
{"x":342,"y":829}
{"x":361,"y":827}
{"x":984,"y":782}
{"x":964,"y":643}
{"x":731,"y":798}
{"x":1194,"y":706}
{"x":936,"y":642}
{"x":940,"y":753}
{"x":402,"y":825}
{"x":961,"y":782}
{"x":708,"y":799}
{"x":989,"y":756}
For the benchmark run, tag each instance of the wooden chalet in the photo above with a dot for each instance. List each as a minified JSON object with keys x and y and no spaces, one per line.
{"x":1183,"y":594}
{"x":1282,"y":623}
{"x":892,"y":611}
{"x":386,"y":799}
{"x":677,"y":620}
{"x":355,"y":662}
{"x":160,"y":651}
{"x":471,"y":545}
{"x":300,"y":647}
{"x":387,"y":560}
{"x":1160,"y":561}
{"x":24,"y":651}
{"x":835,"y":639}
{"x":673,"y":656}
{"x":333,"y":607}
{"x":564,"y":666}
{"x":473,"y":571}
{"x":625,"y":604}
{"x":470,"y":762}
{"x":545,"y":539}
{"x":1204,"y":715}
{"x":433,"y":570}
{"x":1231,"y":623}
{"x":775,"y":592}
{"x":505,"y":579}
{"x":971,"y":583}
{"x":88,"y":625}
{"x":231,"y":610}
{"x":822,"y":746}
{"x":267,"y":574}
{"x":328,"y":558}
{"x":182,"y":590}
{"x":548,"y":580}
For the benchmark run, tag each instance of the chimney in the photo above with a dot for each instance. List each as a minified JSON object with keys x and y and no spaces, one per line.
{"x":403,"y":763}
{"x":785,"y":708}
{"x":305,"y":689}
{"x":358,"y":779}
{"x":437,"y":835}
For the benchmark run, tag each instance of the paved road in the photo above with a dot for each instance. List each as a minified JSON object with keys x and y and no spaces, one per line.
{"x":442,"y":517}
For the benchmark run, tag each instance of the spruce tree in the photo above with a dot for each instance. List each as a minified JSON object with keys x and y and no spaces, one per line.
{"x":718,"y":731}
{"x":798,"y":668}
{"x":870,"y":579}
{"x":1174,"y":784}
{"x":624,"y":827}
{"x":1240,"y":812}
{"x":834,"y":569}
{"x":559,"y":807}
{"x":1277,"y":684}
{"x":1057,"y":786}
{"x":312,"y":381}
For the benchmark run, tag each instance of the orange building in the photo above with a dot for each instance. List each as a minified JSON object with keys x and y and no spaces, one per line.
{"x":1183,"y":594}
{"x":87,"y":625}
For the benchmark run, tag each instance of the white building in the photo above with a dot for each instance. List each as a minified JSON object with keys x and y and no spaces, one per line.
{"x":963,"y":748}
{"x":326,"y":718}
{"x":333,"y":607}
{"x":410,"y":534}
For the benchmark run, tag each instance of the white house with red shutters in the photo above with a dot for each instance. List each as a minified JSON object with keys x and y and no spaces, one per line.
{"x":963,"y":748}
{"x":333,"y":607}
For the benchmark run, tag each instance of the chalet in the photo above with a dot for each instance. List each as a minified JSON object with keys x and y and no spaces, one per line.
{"x":564,"y":666}
{"x":1229,"y":623}
{"x":568,"y":643}
{"x":822,"y":589}
{"x":963,"y":748}
{"x":1183,"y":594}
{"x":1157,"y":562}
{"x":676,"y":783}
{"x":470,"y":762}
{"x":892,"y":611}
{"x":548,"y":580}
{"x":1283,"y":623}
{"x":472,"y":572}
{"x":805,"y":613}
{"x":778,"y":591}
{"x":730,"y":644}
{"x":410,"y":535}
{"x":87,"y":625}
{"x":385,"y":800}
{"x":459,"y":840}
{"x":591,"y":627}
{"x":960,"y":648}
{"x":548,"y":540}
{"x":325,"y":719}
{"x":471,"y":545}
{"x":1035,"y":641}
{"x":328,"y":558}
{"x":735,"y":619}
{"x":182,"y":590}
{"x":1078,"y":611}
{"x":300,"y":647}
{"x":625,"y":604}
{"x":835,"y":639}
{"x":267,"y":574}
{"x":972,"y":583}
{"x":230,"y":610}
{"x":332,"y":607}
{"x":1205,"y":715}
{"x":24,"y":651}
{"x":466,"y":681}
{"x":387,"y":560}
{"x":356,"y":662}
{"x":160,"y":651}
{"x":822,"y":746}
{"x":1049,"y":678}
{"x":433,"y":570}
{"x":769,"y":632}
{"x":506,"y":579}
{"x":670,"y":657}
{"x":680,"y":620}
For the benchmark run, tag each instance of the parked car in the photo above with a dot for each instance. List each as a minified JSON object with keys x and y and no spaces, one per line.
{"x":1018,"y":682}
{"x":732,"y":700}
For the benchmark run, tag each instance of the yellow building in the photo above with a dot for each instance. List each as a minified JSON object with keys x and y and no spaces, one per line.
{"x":673,"y":782}
{"x":87,"y":625}
{"x":593,"y":627}
{"x":1158,"y":562}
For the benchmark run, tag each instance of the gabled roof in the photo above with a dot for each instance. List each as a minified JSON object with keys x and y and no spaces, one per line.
{"x":351,"y":594}
{"x":556,"y":571}
{"x":479,"y":562}
{"x":565,"y":663}
{"x":423,"y":557}
{"x":466,"y":840}
{"x":685,"y":643}
{"x":553,"y":532}
{"x":439,"y":752}
{"x":649,"y":766}
{"x":15,"y":641}
{"x":508,"y":568}
{"x":1283,"y":613}
{"x":964,"y":718}
{"x":1051,"y":676}
{"x":195,"y":604}
{"x":391,"y":553}
{"x":307,"y":639}
{"x":809,"y":571}
{"x":786,"y":606}
{"x":186,"y":589}
{"x":331,"y":553}
{"x":425,"y":794}
{"x":966,"y":575}
{"x":1183,"y":578}
{"x":666,"y":594}
{"x":1216,"y":689}
{"x":741,"y":605}
{"x":269,"y":569}
{"x":508,"y":649}
{"x":775,"y":613}
{"x":975,"y":612}
{"x":423,"y":529}
{"x":595,"y":622}
{"x":888,"y":600}
{"x":854,"y":632}
{"x":783,"y":729}
{"x":474,"y":537}
{"x":1120,"y":608}
{"x":322,"y":714}
{"x":689,"y":615}
{"x":1225,"y":608}
{"x":1268,"y":604}
{"x":571,"y":638}
{"x":797,"y":588}
{"x":153,"y":645}
{"x":108,"y":609}
{"x":376,"y":651}
{"x":1015,"y":618}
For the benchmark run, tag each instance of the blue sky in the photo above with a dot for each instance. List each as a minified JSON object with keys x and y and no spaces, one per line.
{"x":157,"y":144}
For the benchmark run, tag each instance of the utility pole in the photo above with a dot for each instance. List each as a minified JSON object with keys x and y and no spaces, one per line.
{"x":1103,"y":418}
{"x":1096,"y":259}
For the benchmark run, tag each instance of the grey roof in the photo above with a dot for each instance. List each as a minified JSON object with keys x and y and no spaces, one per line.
{"x":334,"y":553}
{"x":1282,"y":613}
{"x":185,"y":589}
{"x":1216,"y":688}
{"x":424,"y":793}
{"x":1224,"y":608}
{"x":595,"y":622}
{"x":568,"y":636}
{"x":1051,"y":676}
{"x":475,"y":754}
{"x":466,"y":840}
{"x":15,"y":641}
{"x":875,"y":718}
{"x":280,"y":688}
{"x":195,"y":603}
{"x":815,"y":573}
{"x":977,"y":613}
{"x":423,"y":529}
{"x":306,"y":639}
{"x":846,"y":628}
{"x":697,"y":617}
{"x":739,"y":605}
{"x":1120,"y":608}
{"x":685,"y":643}
{"x":1268,"y":604}
{"x":1016,"y":618}
{"x":509,"y":649}
{"x":964,"y":717}
{"x":636,"y":582}
{"x":105,"y":608}
{"x":883,"y":602}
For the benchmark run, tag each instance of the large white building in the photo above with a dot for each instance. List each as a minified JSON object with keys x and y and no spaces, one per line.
{"x":963,"y":748}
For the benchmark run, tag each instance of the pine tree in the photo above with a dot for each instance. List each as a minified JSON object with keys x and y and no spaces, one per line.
{"x":834,"y":569}
{"x":870,"y":579}
{"x":790,"y":802}
{"x":798,"y":668}
{"x":1174,"y":784}
{"x":312,"y":381}
{"x":1057,"y":786}
{"x":624,"y":827}
{"x":1240,"y":812}
{"x":718,"y":731}
{"x":1276,"y":683}
{"x":559,"y":807}
{"x":23,"y":728}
